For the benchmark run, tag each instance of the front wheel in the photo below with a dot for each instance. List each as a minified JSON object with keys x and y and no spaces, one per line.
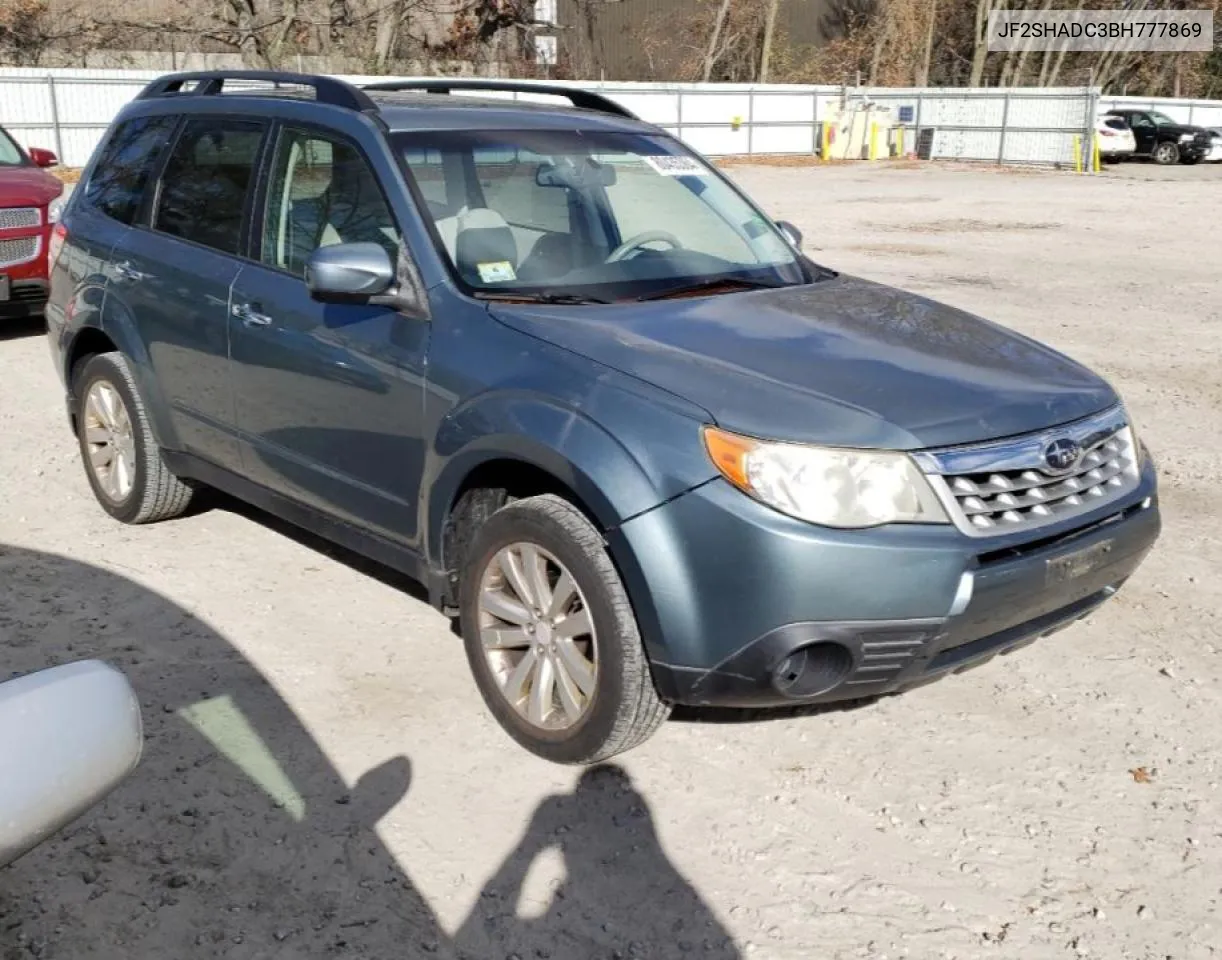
{"x":551,"y":636}
{"x":1166,"y":153}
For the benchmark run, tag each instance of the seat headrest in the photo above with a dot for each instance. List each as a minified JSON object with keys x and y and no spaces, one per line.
{"x":483,"y":237}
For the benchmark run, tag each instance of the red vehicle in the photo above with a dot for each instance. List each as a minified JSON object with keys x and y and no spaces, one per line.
{"x":30,"y":204}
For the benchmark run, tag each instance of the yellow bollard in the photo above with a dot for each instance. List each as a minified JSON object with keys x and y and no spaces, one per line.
{"x":1098,"y":161}
{"x":1077,"y":154}
{"x":874,"y":141}
{"x":825,"y":138}
{"x":899,"y":141}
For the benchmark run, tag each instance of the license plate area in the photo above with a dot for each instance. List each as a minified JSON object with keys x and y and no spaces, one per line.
{"x":1079,"y":563}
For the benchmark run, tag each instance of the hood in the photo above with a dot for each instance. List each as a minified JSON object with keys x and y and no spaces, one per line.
{"x":27,"y":187}
{"x":844,"y":362}
{"x":1179,"y":129}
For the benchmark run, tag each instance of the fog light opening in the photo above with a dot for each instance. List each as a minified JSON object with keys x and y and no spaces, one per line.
{"x":812,"y":670}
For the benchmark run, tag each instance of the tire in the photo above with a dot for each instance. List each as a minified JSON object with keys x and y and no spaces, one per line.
{"x":1166,"y":153}
{"x":621,"y":709}
{"x":151,"y":492}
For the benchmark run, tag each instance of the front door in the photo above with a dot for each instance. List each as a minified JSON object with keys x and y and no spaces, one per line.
{"x":329,"y":396}
{"x":1145,"y":132}
{"x":174,"y":277}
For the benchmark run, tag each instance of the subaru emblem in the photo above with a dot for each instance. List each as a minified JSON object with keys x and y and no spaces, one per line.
{"x":1061,"y":454}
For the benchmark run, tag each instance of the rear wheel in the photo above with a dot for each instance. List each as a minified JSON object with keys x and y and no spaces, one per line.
{"x":551,"y":637}
{"x":1166,"y":153}
{"x":121,"y":457}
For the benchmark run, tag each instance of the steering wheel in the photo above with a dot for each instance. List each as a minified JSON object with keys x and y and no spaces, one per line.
{"x":636,"y":242}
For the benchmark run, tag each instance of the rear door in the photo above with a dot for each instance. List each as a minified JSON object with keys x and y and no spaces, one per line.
{"x":329,"y":396}
{"x":100,"y":217}
{"x":174,"y":274}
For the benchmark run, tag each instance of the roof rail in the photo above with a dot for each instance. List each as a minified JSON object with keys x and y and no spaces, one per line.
{"x":212,"y":82}
{"x":584,"y":99}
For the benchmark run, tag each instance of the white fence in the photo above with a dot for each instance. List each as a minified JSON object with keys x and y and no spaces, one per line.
{"x":68,"y":111}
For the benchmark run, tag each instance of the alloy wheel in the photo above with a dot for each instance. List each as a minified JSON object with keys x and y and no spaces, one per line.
{"x":538,"y":637}
{"x":110,"y":441}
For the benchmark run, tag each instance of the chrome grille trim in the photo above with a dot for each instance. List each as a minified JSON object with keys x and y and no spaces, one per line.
{"x":21,"y":250}
{"x":14,"y":218}
{"x":1005,"y":486}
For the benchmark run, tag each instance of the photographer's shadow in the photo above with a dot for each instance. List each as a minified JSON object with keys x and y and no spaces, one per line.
{"x":620,"y":896}
{"x":235,"y":837}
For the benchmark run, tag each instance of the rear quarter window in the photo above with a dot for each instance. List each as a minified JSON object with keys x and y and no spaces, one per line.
{"x":126,"y":164}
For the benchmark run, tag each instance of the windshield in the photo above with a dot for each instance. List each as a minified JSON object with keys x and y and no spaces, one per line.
{"x":605,"y":216}
{"x":1161,"y":119}
{"x":10,"y":155}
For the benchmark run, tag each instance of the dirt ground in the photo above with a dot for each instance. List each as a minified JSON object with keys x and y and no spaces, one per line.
{"x":322,"y":780}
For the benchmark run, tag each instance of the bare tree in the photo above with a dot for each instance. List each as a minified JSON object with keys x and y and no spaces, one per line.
{"x":710,"y":58}
{"x":769,"y":31}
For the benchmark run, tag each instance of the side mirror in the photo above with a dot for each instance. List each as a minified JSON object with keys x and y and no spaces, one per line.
{"x":71,"y":735}
{"x":43,"y":158}
{"x":349,"y":273}
{"x":791,"y":233}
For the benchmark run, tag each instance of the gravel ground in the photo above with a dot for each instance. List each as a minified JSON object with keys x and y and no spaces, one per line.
{"x":322,"y":780}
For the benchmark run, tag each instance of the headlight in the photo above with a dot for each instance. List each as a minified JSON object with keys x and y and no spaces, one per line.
{"x":55,"y":209}
{"x":1187,"y":137}
{"x":830,"y":486}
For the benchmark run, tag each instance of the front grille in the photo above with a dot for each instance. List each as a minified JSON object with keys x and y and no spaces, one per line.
{"x":18,"y":251}
{"x":1005,"y":487}
{"x":14,"y":218}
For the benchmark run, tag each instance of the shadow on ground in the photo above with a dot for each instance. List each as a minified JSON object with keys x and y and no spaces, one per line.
{"x":22,"y":328}
{"x":237,"y":838}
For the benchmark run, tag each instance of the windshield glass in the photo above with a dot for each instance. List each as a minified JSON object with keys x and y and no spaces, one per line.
{"x":605,"y":216}
{"x":1161,"y":119}
{"x":10,"y":156}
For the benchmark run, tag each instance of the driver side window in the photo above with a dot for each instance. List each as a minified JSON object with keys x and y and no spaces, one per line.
{"x":322,"y":192}
{"x":1140,"y":120}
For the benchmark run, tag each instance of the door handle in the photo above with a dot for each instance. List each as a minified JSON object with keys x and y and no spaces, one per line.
{"x":126,"y":271}
{"x":249,"y":316}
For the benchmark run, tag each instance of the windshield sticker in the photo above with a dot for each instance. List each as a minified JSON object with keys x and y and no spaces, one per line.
{"x":671,"y":166}
{"x":498,"y":271}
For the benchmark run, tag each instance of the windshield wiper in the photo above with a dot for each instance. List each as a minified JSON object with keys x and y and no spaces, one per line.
{"x":509,"y":296}
{"x":711,"y":283}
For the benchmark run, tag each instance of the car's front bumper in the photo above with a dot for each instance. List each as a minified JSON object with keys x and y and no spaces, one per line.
{"x":741,"y":606}
{"x":25,"y":298}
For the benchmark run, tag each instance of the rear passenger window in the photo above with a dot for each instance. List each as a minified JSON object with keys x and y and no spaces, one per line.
{"x":210,"y":174}
{"x":322,"y":192}
{"x":116,"y":187}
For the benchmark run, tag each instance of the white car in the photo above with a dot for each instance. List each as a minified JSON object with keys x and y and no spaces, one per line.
{"x":1215,"y":146}
{"x":1116,"y":140}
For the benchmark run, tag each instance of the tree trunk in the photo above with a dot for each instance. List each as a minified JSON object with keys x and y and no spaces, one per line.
{"x":710,"y":58}
{"x":387,"y":34}
{"x":1016,"y":60}
{"x":884,"y":37}
{"x":1054,"y":61}
{"x":980,"y":50}
{"x":922,"y":77}
{"x":769,"y":29}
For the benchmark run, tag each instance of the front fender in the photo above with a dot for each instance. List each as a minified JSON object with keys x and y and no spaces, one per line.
{"x":620,"y":453}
